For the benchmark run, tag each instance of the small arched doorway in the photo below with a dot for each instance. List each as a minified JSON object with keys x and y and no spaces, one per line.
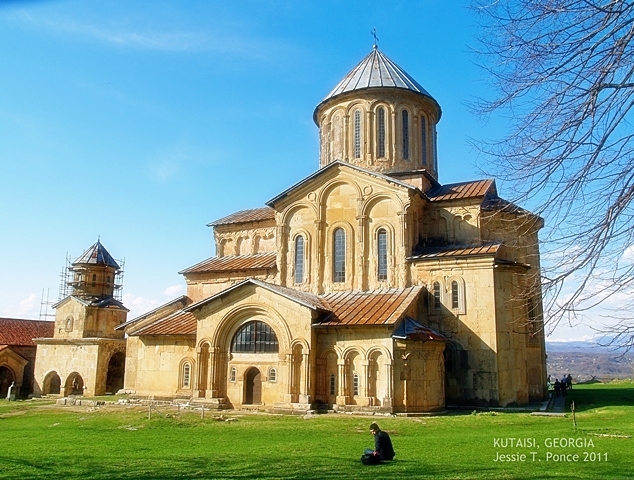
{"x":6,"y":379}
{"x":116,"y":369}
{"x":74,"y":385}
{"x":52,"y":384}
{"x":253,"y":387}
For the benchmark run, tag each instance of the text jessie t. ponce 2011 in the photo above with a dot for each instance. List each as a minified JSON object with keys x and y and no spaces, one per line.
{"x":557,"y":449}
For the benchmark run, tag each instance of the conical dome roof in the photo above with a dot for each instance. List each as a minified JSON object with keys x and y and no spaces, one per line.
{"x":97,"y":255}
{"x":376,"y":71}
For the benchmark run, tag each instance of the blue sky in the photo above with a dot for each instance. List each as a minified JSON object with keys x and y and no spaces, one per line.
{"x":141,"y":122}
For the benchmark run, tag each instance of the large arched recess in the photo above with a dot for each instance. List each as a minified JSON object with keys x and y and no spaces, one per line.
{"x":237,"y":317}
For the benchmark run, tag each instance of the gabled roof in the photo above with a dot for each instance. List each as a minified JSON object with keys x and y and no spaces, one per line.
{"x":340,"y":164}
{"x":410,"y":329}
{"x":378,"y":307}
{"x":245,"y":216}
{"x":485,"y":249}
{"x":97,"y":255}
{"x":176,"y":323}
{"x":376,"y":70}
{"x":234,"y":263}
{"x":170,"y":306}
{"x":303,"y":298}
{"x":16,"y":331}
{"x":456,"y":191}
{"x":100,"y":302}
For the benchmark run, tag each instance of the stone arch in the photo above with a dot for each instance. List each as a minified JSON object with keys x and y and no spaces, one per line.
{"x":371,"y":201}
{"x":353,"y":374}
{"x":52,"y":384}
{"x":7,"y":377}
{"x":185,"y":383}
{"x":74,"y":385}
{"x":116,"y":371}
{"x":331,"y":185}
{"x":234,"y":319}
{"x":379,"y":378}
{"x":252,"y":386}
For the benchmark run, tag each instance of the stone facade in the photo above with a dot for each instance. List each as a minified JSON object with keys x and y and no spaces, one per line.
{"x":366,"y":286}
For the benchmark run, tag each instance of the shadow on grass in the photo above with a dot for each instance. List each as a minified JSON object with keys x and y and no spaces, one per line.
{"x":599,"y":395}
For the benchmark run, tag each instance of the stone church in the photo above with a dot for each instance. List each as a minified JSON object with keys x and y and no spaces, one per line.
{"x":368,"y":285}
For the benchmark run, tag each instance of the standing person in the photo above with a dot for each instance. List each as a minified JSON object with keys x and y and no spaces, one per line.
{"x":383,"y":449}
{"x":569,"y":382}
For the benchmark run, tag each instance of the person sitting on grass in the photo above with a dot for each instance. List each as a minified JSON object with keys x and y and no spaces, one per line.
{"x":383,"y":449}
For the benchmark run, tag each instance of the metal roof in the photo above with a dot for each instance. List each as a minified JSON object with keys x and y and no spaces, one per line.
{"x":176,"y":323}
{"x":234,"y":263}
{"x":246,"y":216}
{"x":456,"y":191}
{"x":16,"y":331}
{"x":304,"y":298}
{"x":376,"y":71}
{"x":378,"y":307}
{"x":97,"y":255}
{"x":490,"y":249}
{"x":410,"y":329}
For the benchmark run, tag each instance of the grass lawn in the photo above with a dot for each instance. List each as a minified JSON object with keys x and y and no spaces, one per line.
{"x":40,"y":440}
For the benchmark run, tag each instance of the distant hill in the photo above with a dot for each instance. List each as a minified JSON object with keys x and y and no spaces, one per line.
{"x":585,"y":360}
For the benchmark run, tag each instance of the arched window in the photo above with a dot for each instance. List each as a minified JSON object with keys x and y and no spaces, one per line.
{"x":436,"y":288}
{"x":299,"y":259}
{"x":382,"y":254}
{"x":272,"y":375}
{"x":423,"y":141}
{"x":186,"y":375}
{"x":355,"y":384}
{"x":69,"y":324}
{"x":233,"y":374}
{"x":108,"y":279}
{"x":357,"y":134}
{"x":94,"y":280}
{"x":405,"y":125}
{"x":340,"y":255}
{"x":380,"y":132}
{"x":255,"y":337}
{"x":333,"y":384}
{"x":454,"y":295}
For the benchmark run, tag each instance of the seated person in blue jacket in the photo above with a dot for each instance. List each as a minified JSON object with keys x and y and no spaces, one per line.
{"x":382,"y":447}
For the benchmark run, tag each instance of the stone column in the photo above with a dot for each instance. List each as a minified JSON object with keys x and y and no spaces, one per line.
{"x":342,"y":399}
{"x":199,"y":373}
{"x":304,"y":396}
{"x":288,"y":396}
{"x":389,"y":373}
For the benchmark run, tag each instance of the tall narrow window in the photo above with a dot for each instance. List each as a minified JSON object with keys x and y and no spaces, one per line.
{"x":272,"y":375}
{"x":355,"y":384}
{"x":94,"y":280}
{"x":454,"y":295}
{"x":437,"y":296}
{"x":382,"y":254}
{"x":299,"y":259}
{"x":405,"y":135}
{"x":380,"y":132}
{"x":233,"y":375}
{"x":423,"y":141}
{"x":186,"y":374}
{"x":340,"y":256}
{"x":333,"y":384}
{"x":357,"y":134}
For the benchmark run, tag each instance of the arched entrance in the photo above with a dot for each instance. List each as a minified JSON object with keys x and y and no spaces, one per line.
{"x":52,"y":384}
{"x":6,"y":379}
{"x":116,"y":369}
{"x":253,"y":387}
{"x":74,"y":385}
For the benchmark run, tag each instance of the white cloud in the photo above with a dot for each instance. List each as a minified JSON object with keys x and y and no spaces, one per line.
{"x":26,"y":308}
{"x":628,"y":254}
{"x":139,"y":305}
{"x":174,"y":290}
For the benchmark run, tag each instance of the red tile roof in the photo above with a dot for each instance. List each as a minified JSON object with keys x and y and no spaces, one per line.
{"x":177,"y":323}
{"x":232,"y":263}
{"x":15,"y":331}
{"x":246,"y":216}
{"x":456,"y":251}
{"x":379,"y":307}
{"x":456,"y":191}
